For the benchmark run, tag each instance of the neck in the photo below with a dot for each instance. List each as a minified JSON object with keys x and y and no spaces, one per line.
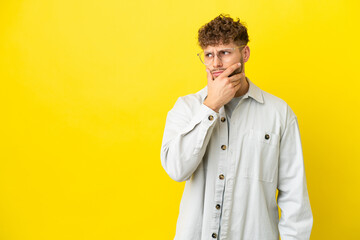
{"x":244,"y":87}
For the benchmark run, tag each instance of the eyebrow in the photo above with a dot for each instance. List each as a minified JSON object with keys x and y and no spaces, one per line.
{"x":219,"y":50}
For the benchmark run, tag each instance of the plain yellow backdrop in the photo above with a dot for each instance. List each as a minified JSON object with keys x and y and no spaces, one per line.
{"x":86,"y":86}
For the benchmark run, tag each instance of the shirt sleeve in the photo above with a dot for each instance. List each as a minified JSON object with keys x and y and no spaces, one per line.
{"x":185,"y":139}
{"x":296,"y":217}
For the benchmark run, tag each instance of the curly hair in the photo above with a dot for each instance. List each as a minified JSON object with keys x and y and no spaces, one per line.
{"x":222,"y":30}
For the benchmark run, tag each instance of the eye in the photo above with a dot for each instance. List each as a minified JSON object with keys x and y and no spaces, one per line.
{"x":224,"y":52}
{"x":208,"y":55}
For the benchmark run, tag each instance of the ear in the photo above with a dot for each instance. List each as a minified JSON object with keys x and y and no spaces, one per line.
{"x":246,"y":52}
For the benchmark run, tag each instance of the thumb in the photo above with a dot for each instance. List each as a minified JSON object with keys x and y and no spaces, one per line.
{"x":209,"y":76}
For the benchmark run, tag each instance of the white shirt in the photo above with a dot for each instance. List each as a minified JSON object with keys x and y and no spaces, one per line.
{"x":231,"y":183}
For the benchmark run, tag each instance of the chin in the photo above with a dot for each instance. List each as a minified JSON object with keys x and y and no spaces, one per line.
{"x":236,"y":71}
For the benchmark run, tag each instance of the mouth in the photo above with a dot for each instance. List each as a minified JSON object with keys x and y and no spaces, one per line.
{"x":217,"y":73}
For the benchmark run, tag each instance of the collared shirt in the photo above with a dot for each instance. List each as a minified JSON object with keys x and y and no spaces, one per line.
{"x":231,"y":180}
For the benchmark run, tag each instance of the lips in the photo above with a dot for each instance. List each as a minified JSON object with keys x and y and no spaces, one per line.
{"x":217,"y":73}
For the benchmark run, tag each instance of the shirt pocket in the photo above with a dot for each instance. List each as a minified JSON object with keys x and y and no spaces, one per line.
{"x":260,"y":153}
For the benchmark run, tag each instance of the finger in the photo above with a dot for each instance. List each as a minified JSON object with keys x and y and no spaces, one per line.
{"x":229,"y":70}
{"x":236,"y":77}
{"x":209,"y":76}
{"x":237,"y":82}
{"x":234,"y":84}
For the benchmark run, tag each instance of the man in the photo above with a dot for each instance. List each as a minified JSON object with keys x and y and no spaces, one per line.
{"x":235,"y":145}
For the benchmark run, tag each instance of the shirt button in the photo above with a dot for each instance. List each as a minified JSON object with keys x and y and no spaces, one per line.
{"x":223,"y":147}
{"x":223,"y":119}
{"x":267,"y":136}
{"x":211,"y":117}
{"x":214,"y":235}
{"x":217,"y":206}
{"x":221,"y":176}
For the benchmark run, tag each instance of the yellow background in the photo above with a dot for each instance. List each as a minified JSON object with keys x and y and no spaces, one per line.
{"x":86,"y":86}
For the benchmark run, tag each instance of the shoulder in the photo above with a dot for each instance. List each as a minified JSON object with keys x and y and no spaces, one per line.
{"x":197,"y":97}
{"x":280,"y":106}
{"x":191,"y":102}
{"x":273,"y":101}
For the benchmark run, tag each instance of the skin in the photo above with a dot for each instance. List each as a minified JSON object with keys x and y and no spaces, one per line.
{"x":223,"y":88}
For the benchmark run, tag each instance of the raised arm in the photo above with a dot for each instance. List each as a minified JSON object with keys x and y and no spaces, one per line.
{"x":187,"y":132}
{"x":185,"y":139}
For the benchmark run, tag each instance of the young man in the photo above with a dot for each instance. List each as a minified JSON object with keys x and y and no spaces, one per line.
{"x":235,"y":145}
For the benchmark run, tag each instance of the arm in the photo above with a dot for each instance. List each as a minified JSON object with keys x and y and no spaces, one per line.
{"x":187,"y":134}
{"x":185,"y":139}
{"x":293,"y":200}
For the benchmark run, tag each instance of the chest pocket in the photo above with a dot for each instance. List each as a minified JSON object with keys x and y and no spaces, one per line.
{"x":260,"y":153}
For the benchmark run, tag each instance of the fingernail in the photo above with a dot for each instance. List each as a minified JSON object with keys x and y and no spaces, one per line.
{"x":239,"y":64}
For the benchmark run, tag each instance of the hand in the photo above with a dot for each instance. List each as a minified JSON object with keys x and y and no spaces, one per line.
{"x":222,"y":89}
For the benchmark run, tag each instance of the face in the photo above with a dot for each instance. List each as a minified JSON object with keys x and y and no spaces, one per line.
{"x":218,"y":66}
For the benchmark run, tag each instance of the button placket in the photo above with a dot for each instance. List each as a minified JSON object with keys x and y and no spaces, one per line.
{"x":228,"y":193}
{"x":220,"y":185}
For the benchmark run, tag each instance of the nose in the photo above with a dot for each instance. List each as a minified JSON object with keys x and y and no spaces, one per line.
{"x":216,"y":62}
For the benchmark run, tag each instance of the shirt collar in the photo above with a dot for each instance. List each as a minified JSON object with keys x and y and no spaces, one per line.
{"x":254,"y":92}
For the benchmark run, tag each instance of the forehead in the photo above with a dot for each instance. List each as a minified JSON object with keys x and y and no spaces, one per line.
{"x":219,"y":46}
